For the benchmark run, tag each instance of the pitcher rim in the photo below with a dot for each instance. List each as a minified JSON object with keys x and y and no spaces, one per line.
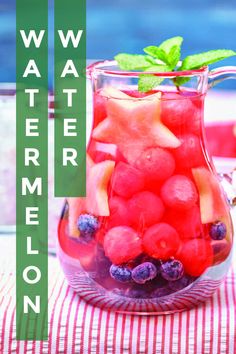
{"x":98,"y":68}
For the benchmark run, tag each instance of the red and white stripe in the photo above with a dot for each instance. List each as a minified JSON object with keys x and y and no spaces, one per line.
{"x":76,"y":327}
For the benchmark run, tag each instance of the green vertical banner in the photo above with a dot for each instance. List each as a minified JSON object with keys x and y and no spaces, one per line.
{"x":70,"y":98}
{"x":31,"y":169}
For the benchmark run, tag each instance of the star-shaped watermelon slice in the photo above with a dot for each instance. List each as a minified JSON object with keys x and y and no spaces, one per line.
{"x":133,"y":124}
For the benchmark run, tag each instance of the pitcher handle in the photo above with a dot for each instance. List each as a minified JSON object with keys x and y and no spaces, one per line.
{"x":218,"y":75}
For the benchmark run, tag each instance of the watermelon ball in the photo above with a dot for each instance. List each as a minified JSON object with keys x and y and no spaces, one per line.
{"x":196,"y":256}
{"x":121,"y":274}
{"x":186,"y":222}
{"x":144,"y":272}
{"x":122,"y":244}
{"x":176,"y":111}
{"x":218,"y":230}
{"x":145,"y":208}
{"x":172,"y":270}
{"x":127,"y":180}
{"x":189,"y":154}
{"x":157,"y":164}
{"x":161,"y":241}
{"x":118,"y":212}
{"x":179,"y":193}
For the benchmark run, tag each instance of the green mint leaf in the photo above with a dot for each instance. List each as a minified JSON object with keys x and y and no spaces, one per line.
{"x":170,"y":43}
{"x":178,"y":81}
{"x":168,"y":52}
{"x":131,"y":62}
{"x":199,"y":60}
{"x":148,"y":82}
{"x":157,"y":53}
{"x":174,"y":56}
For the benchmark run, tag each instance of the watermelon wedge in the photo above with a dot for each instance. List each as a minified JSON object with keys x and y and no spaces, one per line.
{"x":96,"y":202}
{"x":77,"y":205}
{"x":212,"y":203}
{"x":97,"y":182}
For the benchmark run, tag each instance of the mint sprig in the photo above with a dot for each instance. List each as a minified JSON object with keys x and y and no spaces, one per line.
{"x":165,"y":58}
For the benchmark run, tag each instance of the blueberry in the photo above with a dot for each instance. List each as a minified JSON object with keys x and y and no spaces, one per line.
{"x":181,"y":283}
{"x":144,"y":272}
{"x":142,"y":258}
{"x":172,"y":270}
{"x":218,"y":230}
{"x":87,"y":224}
{"x":120,"y":273}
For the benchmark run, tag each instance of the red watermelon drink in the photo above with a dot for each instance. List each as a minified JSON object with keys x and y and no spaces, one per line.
{"x":154,"y":233}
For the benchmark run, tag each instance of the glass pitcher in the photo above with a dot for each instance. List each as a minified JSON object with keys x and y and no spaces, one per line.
{"x":154,"y":234}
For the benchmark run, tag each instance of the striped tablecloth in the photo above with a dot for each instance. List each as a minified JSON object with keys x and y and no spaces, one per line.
{"x":75,"y":327}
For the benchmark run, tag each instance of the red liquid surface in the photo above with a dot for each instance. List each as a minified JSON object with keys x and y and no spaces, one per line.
{"x":147,"y":166}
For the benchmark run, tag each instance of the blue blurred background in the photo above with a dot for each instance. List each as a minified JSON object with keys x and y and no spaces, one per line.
{"x":128,"y":26}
